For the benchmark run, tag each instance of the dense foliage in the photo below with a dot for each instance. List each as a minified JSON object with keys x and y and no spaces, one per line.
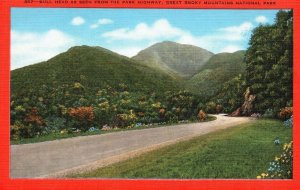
{"x":231,"y":95}
{"x":285,"y":113}
{"x":268,"y":72}
{"x":269,"y":63}
{"x":219,"y":69}
{"x":71,"y":108}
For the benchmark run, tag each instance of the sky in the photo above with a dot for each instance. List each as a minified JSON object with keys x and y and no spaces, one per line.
{"x":37,"y":34}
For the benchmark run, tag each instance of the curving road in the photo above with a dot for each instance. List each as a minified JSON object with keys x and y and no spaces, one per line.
{"x":63,"y":157}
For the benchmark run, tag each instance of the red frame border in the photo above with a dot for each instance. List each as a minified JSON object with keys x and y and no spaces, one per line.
{"x":74,"y":184}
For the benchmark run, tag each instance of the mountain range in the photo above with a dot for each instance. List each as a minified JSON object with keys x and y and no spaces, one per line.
{"x":177,"y":60}
{"x":162,"y":67}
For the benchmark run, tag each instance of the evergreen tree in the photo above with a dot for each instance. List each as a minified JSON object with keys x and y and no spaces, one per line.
{"x":269,"y":60}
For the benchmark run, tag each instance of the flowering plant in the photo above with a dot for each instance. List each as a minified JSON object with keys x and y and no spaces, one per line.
{"x":82,"y":113}
{"x":83,"y":117}
{"x":201,"y":115}
{"x":289,"y":122}
{"x":285,"y":113}
{"x":256,"y":115}
{"x":277,"y":141}
{"x":282,"y":166}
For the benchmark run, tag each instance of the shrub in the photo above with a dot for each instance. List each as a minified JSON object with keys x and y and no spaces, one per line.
{"x":104,"y":105}
{"x":33,"y":118}
{"x":15,"y":130}
{"x":82,"y":113}
{"x":103,"y":115}
{"x":171,"y":117}
{"x":201,"y":115}
{"x":125,"y":119}
{"x":201,"y":106}
{"x":269,"y":113}
{"x":54,"y":124}
{"x":19,"y":130}
{"x":211,"y":107}
{"x":182,"y":104}
{"x":83,"y":117}
{"x":33,"y":124}
{"x":17,"y":113}
{"x":148,"y":119}
{"x":282,"y":166}
{"x":219,"y":108}
{"x":20,"y":109}
{"x":76,"y":106}
{"x":62,"y":110}
{"x":77,"y":85}
{"x":285,"y":113}
{"x":162,"y":112}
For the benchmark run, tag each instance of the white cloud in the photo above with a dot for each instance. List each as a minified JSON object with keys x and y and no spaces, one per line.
{"x":29,"y":47}
{"x":93,"y":26}
{"x":103,"y":21}
{"x":231,"y":48}
{"x":216,"y":42}
{"x":142,"y":31}
{"x":76,"y":21}
{"x":236,"y":32}
{"x":228,"y":39}
{"x":261,"y":19}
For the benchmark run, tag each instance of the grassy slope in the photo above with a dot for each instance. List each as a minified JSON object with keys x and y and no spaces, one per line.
{"x":177,"y":60}
{"x":219,"y":69}
{"x":98,"y":66}
{"x":241,"y":152}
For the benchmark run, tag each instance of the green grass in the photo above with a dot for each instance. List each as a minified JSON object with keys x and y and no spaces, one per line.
{"x":240,"y":152}
{"x":51,"y":137}
{"x":57,"y":136}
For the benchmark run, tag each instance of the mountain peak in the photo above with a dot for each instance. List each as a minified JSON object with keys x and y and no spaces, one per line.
{"x":167,"y":42}
{"x":88,"y":48}
{"x":98,"y":66}
{"x":174,"y":58}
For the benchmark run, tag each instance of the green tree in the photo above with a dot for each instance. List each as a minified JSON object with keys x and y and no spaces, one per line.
{"x":231,"y":96}
{"x":269,"y":63}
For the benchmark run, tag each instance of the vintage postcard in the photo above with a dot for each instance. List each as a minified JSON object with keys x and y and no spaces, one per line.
{"x":184,"y":94}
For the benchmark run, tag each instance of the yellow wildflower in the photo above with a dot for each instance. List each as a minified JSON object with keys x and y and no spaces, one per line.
{"x":77,"y":85}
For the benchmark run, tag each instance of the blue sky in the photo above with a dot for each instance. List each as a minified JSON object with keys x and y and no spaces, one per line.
{"x":41,"y":33}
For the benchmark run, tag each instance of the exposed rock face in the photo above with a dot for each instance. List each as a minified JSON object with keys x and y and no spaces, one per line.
{"x":247,"y":106}
{"x":236,"y":113}
{"x":248,"y":103}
